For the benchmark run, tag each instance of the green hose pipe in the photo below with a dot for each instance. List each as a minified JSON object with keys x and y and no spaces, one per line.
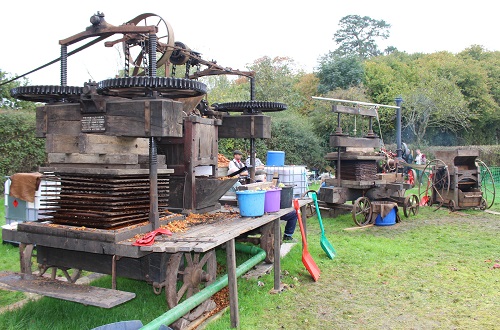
{"x":184,"y":307}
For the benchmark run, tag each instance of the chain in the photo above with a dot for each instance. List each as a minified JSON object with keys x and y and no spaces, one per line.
{"x":173,"y":70}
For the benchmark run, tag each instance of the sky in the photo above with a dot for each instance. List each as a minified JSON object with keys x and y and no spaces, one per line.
{"x":235,"y":33}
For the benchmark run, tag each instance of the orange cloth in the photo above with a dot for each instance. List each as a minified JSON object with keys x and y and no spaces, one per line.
{"x":25,"y":185}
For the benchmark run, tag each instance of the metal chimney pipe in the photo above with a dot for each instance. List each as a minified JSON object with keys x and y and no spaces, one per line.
{"x":399,"y":151}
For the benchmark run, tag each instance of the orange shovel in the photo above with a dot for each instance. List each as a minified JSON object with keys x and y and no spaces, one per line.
{"x":307,"y":259}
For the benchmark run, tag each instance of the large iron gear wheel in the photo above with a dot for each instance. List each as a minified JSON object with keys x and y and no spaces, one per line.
{"x":47,"y":94}
{"x":131,"y":87}
{"x":250,"y":106}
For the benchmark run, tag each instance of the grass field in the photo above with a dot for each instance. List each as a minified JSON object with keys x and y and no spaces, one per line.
{"x":432,"y":271}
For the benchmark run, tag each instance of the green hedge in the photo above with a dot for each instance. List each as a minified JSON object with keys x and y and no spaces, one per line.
{"x":20,"y":150}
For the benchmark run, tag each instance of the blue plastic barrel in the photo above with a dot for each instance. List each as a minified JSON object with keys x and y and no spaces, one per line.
{"x":275,"y":158}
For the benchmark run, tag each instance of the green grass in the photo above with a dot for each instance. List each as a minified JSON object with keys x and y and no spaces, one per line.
{"x":9,"y":260}
{"x":430,"y":271}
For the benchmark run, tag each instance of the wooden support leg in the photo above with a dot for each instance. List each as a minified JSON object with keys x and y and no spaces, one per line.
{"x":277,"y":261}
{"x":232,"y":283}
{"x":113,"y":272}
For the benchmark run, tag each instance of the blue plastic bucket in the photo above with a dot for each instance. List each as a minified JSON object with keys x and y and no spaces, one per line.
{"x":251,"y":202}
{"x":275,"y":158}
{"x":388,"y":220}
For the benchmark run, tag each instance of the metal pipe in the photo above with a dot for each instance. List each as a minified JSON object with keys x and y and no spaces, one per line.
{"x":184,"y":307}
{"x":355,"y":102}
{"x":399,"y":151}
{"x":153,"y":185}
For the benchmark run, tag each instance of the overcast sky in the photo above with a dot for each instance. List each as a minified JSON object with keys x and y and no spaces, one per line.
{"x":235,"y":33}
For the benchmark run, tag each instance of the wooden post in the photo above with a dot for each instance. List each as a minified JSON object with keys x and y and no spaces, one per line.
{"x":277,"y":261}
{"x":232,"y":283}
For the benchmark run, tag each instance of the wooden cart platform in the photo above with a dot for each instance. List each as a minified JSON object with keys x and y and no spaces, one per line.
{"x":74,"y":246}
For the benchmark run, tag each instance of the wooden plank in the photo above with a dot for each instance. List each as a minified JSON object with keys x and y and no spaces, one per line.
{"x":104,"y":144}
{"x":128,"y":118}
{"x":369,"y":112}
{"x":102,"y":171}
{"x":41,"y":122}
{"x":84,"y":294}
{"x":245,"y":126}
{"x":76,"y":158}
{"x":61,"y":143}
{"x":354,"y":156}
{"x":359,"y":227}
{"x":347,"y":141}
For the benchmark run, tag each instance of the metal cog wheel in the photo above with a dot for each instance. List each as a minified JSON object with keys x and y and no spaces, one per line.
{"x":48,"y":93}
{"x":250,"y":106}
{"x":131,"y":87}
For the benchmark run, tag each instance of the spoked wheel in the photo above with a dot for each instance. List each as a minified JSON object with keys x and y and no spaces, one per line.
{"x":452,"y":206}
{"x":310,"y":208}
{"x":411,"y":205}
{"x":434,"y":182}
{"x":27,"y":254}
{"x":487,"y":185}
{"x":136,"y":46}
{"x":71,"y":274}
{"x":187,"y":274}
{"x":25,"y":257}
{"x":362,"y":211}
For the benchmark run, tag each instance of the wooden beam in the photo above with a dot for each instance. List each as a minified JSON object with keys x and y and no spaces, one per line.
{"x":371,"y":112}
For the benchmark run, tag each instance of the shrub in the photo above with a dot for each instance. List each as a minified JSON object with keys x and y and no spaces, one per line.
{"x":20,"y":150}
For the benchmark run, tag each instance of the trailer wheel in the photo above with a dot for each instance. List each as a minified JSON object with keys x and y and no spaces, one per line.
{"x":410,"y":206}
{"x":187,"y":274}
{"x":362,"y":211}
{"x":451,"y":205}
{"x":25,"y":257}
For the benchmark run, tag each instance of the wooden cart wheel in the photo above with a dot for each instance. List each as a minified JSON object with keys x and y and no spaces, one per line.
{"x":25,"y":255}
{"x":483,"y":205}
{"x":451,"y":205}
{"x":187,"y":274}
{"x":362,"y":211}
{"x":434,"y":182}
{"x":410,"y":206}
{"x":71,"y":274}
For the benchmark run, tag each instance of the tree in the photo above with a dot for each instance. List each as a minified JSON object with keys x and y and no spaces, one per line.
{"x":6,"y":100}
{"x":307,"y":86}
{"x":275,"y":80}
{"x":335,"y":71}
{"x":357,"y":35}
{"x":436,"y":103}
